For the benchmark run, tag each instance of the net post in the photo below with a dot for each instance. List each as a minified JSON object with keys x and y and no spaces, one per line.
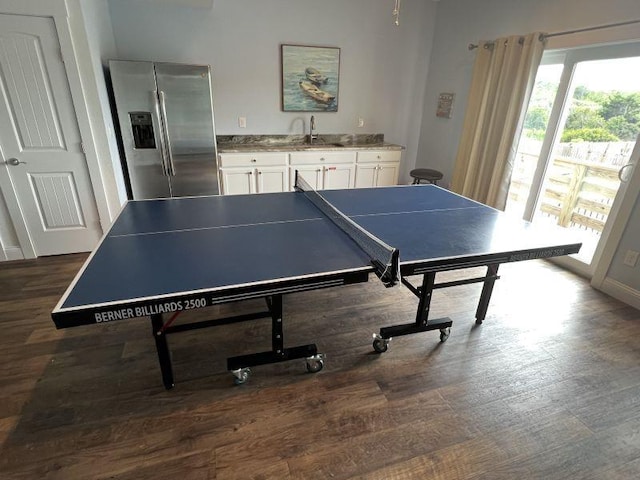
{"x":384,"y":258}
{"x":389,"y":274}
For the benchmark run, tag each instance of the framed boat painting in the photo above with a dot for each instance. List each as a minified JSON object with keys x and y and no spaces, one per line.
{"x":310,"y":78}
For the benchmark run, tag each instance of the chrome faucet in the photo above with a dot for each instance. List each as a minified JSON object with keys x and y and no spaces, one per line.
{"x":312,"y":127}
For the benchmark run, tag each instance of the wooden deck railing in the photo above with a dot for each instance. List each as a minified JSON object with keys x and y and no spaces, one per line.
{"x":577,"y":193}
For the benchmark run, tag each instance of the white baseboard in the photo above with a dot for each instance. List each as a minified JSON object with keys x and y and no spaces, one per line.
{"x":12,"y":253}
{"x":622,"y":292}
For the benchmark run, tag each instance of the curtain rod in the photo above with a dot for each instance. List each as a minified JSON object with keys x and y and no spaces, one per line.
{"x":473,"y":46}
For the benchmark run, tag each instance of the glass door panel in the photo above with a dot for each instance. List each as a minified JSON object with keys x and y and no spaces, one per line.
{"x":532,"y":137}
{"x":599,"y":125}
{"x":579,"y":132}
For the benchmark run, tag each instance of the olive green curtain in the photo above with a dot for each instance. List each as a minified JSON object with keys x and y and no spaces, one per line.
{"x":501,"y":84}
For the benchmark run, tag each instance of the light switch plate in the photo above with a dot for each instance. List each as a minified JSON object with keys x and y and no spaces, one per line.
{"x":630,"y":258}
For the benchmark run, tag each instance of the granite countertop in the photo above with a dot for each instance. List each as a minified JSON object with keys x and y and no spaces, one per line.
{"x":280,"y":143}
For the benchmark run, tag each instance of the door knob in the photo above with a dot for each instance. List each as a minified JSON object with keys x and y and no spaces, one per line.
{"x":14,"y":161}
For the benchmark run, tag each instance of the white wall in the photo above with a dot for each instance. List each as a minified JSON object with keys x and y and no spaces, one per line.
{"x":101,"y":46}
{"x":382,"y":72}
{"x":630,"y":241}
{"x":461,"y":22}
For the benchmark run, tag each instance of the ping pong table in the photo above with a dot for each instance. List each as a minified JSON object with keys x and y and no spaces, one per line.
{"x":163,"y":257}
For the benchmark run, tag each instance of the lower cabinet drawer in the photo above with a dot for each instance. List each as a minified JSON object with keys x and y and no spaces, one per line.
{"x":319,"y":158}
{"x":252,"y":159}
{"x":377,"y":156}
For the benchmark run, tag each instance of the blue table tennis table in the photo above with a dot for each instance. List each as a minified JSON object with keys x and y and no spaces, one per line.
{"x":162,"y":257}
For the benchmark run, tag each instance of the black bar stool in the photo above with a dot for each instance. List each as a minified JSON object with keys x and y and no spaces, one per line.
{"x":426,"y":174}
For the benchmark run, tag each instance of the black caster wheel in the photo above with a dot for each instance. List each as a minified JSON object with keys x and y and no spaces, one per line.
{"x":380,"y":345}
{"x":241,"y":375}
{"x":315,"y":363}
{"x":315,"y":366}
{"x":444,"y":334}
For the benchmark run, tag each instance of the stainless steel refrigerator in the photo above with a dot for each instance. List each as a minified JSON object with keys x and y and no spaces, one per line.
{"x":165,"y":115}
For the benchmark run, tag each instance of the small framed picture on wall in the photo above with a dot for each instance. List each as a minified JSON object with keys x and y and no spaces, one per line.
{"x":445,"y":105}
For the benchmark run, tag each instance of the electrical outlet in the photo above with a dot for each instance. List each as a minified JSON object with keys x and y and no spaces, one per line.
{"x":360,"y":122}
{"x":631,"y":258}
{"x":242,"y":122}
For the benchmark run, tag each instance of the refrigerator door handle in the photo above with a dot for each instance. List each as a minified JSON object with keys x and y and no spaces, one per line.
{"x":163,"y":110}
{"x":163,"y":147}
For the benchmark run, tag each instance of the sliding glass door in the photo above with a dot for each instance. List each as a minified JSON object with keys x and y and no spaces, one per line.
{"x":580,"y":130}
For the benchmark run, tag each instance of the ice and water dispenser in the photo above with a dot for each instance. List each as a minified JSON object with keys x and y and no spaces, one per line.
{"x":142,"y":128}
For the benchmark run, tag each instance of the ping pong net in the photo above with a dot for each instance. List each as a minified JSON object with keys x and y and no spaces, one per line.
{"x":384,"y":258}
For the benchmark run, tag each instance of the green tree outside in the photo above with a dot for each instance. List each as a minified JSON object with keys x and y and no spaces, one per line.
{"x":594,"y":116}
{"x":585,"y":117}
{"x":588,"y":135}
{"x":622,"y":105}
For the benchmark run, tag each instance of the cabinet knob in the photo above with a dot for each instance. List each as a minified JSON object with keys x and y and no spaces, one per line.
{"x":254,"y":160}
{"x":379,"y":157}
{"x":259,"y":172}
{"x":322,"y":159}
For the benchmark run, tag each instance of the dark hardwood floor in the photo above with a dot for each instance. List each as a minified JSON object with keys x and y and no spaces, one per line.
{"x":547,"y":388}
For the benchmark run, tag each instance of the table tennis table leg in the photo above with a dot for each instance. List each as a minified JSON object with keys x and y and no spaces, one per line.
{"x":424,"y":305}
{"x":422,"y":322}
{"x":424,"y":293}
{"x":240,"y":366}
{"x":487,"y":288}
{"x":164,"y":357}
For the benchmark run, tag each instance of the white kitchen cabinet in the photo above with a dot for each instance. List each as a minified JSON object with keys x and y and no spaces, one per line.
{"x":324,"y":169}
{"x":377,"y":168}
{"x":313,"y":175}
{"x":376,"y":175}
{"x":253,"y":172}
{"x":236,"y":181}
{"x":261,"y":172}
{"x":338,"y":176}
{"x":271,"y":179}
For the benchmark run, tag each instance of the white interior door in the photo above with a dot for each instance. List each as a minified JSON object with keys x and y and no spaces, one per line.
{"x":43,"y":172}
